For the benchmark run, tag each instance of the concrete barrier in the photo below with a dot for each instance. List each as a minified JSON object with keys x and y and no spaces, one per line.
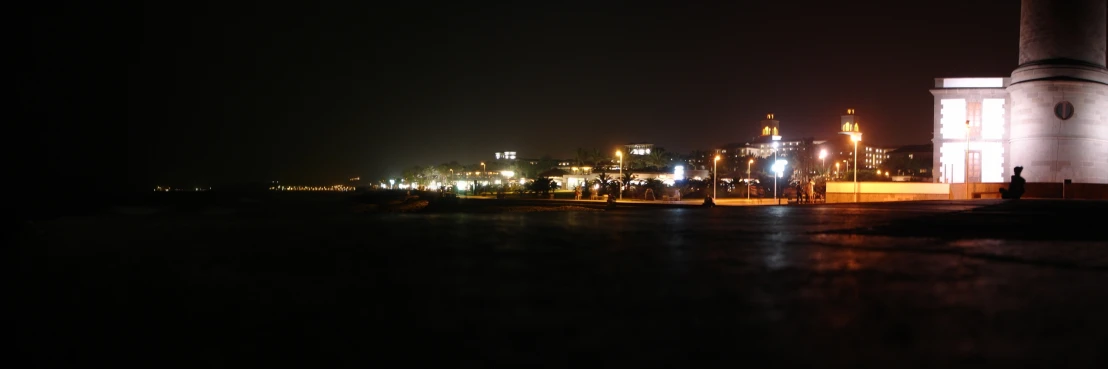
{"x":887,"y":191}
{"x":911,"y":191}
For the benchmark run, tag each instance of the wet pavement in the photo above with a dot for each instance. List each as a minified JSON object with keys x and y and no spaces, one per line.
{"x":915,"y":284}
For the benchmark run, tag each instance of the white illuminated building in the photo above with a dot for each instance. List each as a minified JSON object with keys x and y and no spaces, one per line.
{"x":1050,"y":116}
{"x":971,"y":115}
{"x":639,"y":149}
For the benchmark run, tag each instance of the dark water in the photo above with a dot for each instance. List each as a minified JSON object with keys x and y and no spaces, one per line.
{"x":874,"y":285}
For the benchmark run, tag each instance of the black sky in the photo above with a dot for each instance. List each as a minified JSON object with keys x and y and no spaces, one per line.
{"x":218,"y":92}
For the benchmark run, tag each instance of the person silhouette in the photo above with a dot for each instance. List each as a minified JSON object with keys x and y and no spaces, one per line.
{"x":1015,"y":189}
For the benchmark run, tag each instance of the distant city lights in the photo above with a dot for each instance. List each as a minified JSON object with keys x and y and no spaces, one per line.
{"x":335,"y":188}
{"x":178,"y":189}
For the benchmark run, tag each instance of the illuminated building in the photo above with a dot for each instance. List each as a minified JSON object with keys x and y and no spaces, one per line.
{"x":1050,"y":116}
{"x":913,"y":161}
{"x":639,"y":149}
{"x":762,"y":146}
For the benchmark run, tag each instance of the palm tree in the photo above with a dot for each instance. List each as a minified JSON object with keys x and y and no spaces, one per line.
{"x":602,"y":181}
{"x":543,"y":185}
{"x":426,"y":174}
{"x":657,"y":159}
{"x":628,"y":176}
{"x":656,"y":186}
{"x":626,"y":180}
{"x":636,"y":162}
{"x":603,"y":178}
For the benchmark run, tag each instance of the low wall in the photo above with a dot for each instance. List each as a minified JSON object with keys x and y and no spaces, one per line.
{"x":832,"y":197}
{"x":887,"y":191}
{"x":909,"y":191}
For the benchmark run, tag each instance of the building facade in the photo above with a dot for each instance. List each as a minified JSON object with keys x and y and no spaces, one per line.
{"x":1050,"y":116}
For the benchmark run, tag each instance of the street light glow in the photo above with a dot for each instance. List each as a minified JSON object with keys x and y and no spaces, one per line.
{"x":779,"y":167}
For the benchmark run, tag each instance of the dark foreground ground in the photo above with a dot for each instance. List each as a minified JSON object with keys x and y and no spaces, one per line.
{"x":887,"y":285}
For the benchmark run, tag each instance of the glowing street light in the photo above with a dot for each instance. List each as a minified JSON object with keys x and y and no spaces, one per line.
{"x":856,"y":137}
{"x":715,"y":176}
{"x":775,"y":177}
{"x":748,"y":178}
{"x":620,"y":155}
{"x":484,"y":174}
{"x":822,"y":158}
{"x":778,"y":170}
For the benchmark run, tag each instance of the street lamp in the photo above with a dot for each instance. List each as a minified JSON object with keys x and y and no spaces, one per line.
{"x":778,"y":169}
{"x":822,"y":158}
{"x":966,"y":163}
{"x":775,"y":174}
{"x":748,"y":178}
{"x":620,"y":155}
{"x":715,"y":176}
{"x":856,"y":137}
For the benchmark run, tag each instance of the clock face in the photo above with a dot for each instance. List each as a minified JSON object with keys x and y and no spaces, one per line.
{"x":1063,"y":110}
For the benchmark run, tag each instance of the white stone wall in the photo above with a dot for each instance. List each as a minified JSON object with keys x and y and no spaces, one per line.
{"x":950,"y":134}
{"x":1056,"y":29}
{"x":1051,"y":149}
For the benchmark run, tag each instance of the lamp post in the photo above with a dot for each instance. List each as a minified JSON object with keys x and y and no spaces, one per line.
{"x":856,"y":138}
{"x":822,"y":159}
{"x":620,"y":155}
{"x":967,"y":160}
{"x":748,"y":178}
{"x":778,"y":169}
{"x":837,"y":170}
{"x":775,"y":173}
{"x":715,"y":176}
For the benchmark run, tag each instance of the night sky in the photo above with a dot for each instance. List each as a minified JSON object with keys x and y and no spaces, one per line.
{"x":210,"y":93}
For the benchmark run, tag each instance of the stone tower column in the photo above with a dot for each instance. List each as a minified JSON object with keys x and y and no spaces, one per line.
{"x":1059,"y":92}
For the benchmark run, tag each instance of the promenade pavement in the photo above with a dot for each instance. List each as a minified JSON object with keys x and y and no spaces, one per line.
{"x":931,"y":284}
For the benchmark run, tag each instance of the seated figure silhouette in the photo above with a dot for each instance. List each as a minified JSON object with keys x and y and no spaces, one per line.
{"x":1016,"y":189}
{"x":708,"y":202}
